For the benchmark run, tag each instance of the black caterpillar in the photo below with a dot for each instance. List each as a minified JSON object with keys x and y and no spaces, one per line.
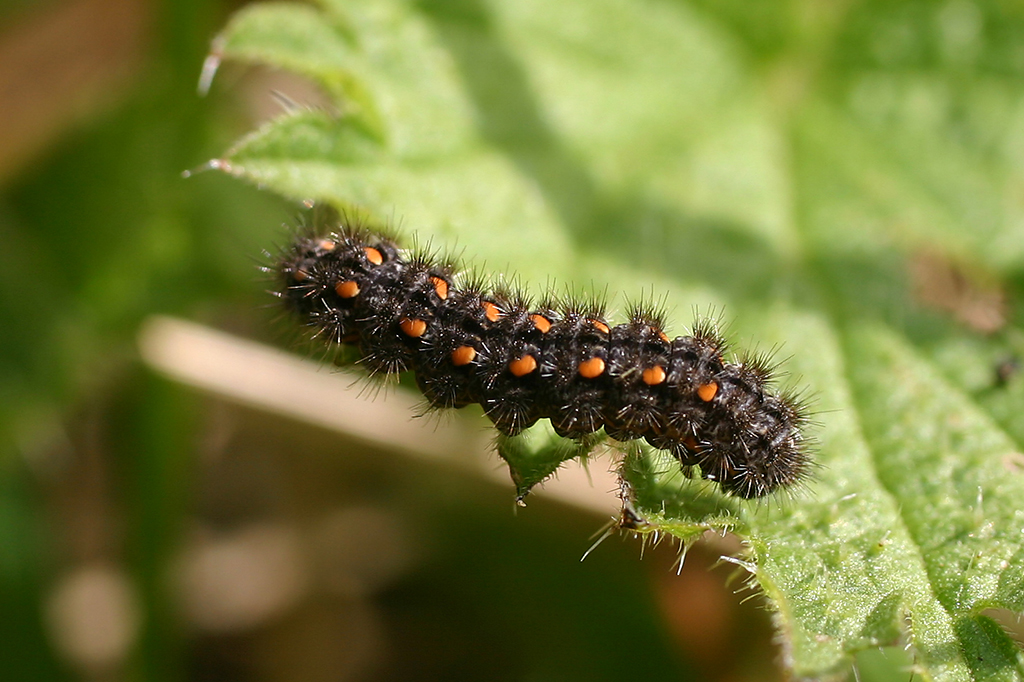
{"x":468,"y":343}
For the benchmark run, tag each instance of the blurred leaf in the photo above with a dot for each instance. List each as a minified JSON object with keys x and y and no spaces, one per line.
{"x":100,"y":230}
{"x":784,"y":159}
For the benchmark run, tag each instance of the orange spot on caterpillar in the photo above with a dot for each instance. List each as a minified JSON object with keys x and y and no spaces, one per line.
{"x":542,"y":323}
{"x":373,"y":255}
{"x":707,"y":392}
{"x":600,"y":326}
{"x":347,"y":289}
{"x":440,"y":287}
{"x":591,"y":369}
{"x":326,"y":245}
{"x":300,"y":275}
{"x":491,"y":311}
{"x":522,"y":366}
{"x":463,"y":355}
{"x":413,"y":328}
{"x":653,"y":376}
{"x":664,"y":337}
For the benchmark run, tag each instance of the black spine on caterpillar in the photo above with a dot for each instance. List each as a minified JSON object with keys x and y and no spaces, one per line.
{"x":468,"y":344}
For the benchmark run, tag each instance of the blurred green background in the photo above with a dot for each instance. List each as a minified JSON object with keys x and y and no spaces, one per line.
{"x":150,"y":531}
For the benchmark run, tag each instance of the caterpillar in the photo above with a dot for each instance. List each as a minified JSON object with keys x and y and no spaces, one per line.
{"x":470,"y":343}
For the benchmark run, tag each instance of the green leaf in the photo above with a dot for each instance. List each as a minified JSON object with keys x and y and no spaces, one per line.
{"x":537,"y":453}
{"x":792,"y":162}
